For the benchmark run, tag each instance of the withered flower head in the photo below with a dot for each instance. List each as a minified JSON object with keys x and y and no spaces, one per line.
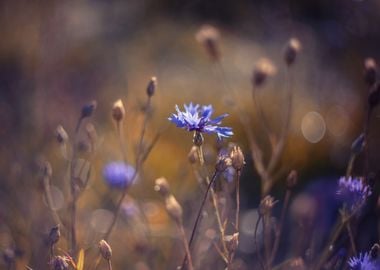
{"x":208,"y":36}
{"x":118,"y":111}
{"x":237,"y":158}
{"x":151,"y":88}
{"x":162,"y":186}
{"x":263,"y":69}
{"x":105,"y":250}
{"x":291,"y":51}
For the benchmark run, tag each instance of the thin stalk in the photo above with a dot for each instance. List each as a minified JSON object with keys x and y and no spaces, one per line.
{"x":256,"y":243}
{"x":109,"y":265}
{"x":237,"y":200}
{"x":351,"y":236}
{"x":366,"y":140}
{"x":186,"y":245}
{"x":279,"y":228}
{"x":199,"y":214}
{"x":350,"y":165}
{"x":214,"y":201}
{"x":121,"y":142}
{"x":266,"y":233}
{"x":72,"y":189}
{"x":49,"y":201}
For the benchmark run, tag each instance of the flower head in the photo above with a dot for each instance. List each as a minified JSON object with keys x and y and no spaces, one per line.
{"x":119,"y":175}
{"x":198,"y":118}
{"x":353,"y":191}
{"x":363,"y":262}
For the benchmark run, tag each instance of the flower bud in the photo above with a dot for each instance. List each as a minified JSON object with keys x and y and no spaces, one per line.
{"x":88,"y":109}
{"x":262,"y":70}
{"x":237,"y":158}
{"x":151,"y":88}
{"x":105,"y":250}
{"x":222,"y":163}
{"x":208,"y":36}
{"x":61,"y":135}
{"x":162,"y":186}
{"x":54,"y":235}
{"x":291,"y":51}
{"x":174,"y":208}
{"x":266,"y":205}
{"x":118,"y":111}
{"x":370,"y":71}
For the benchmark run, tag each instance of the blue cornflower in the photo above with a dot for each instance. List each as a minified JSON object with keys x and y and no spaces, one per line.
{"x":363,"y":262}
{"x":118,"y":174}
{"x":353,"y":191}
{"x":198,"y":118}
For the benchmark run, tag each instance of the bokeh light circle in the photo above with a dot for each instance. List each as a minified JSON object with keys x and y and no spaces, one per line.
{"x":313,"y":127}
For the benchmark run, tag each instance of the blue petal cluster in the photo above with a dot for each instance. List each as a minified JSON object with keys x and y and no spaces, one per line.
{"x":363,"y":262}
{"x":119,"y":175}
{"x":353,"y":191}
{"x":198,"y":118}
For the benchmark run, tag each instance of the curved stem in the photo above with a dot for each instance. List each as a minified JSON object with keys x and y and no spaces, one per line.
{"x":256,"y":243}
{"x":186,"y":245}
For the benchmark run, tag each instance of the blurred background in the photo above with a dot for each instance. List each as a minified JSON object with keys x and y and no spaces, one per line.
{"x":55,"y":56}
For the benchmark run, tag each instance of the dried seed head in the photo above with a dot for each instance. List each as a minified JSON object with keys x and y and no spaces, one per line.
{"x":162,"y":186}
{"x":88,"y":109}
{"x":291,"y":50}
{"x":262,"y":70}
{"x":208,"y":36}
{"x":60,"y":263}
{"x":118,"y":111}
{"x":193,"y":155}
{"x":222,"y":163}
{"x":292,"y":179}
{"x":358,"y":145}
{"x":61,"y":135}
{"x":54,"y":235}
{"x":266,"y":205}
{"x":151,"y":88}
{"x":374,"y":95}
{"x":370,"y":71}
{"x":198,"y":139}
{"x":232,"y":242}
{"x":174,"y":208}
{"x":237,"y":158}
{"x":105,"y":250}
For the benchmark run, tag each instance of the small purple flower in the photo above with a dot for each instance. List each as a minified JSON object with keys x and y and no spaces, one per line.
{"x":118,"y":174}
{"x":198,"y":118}
{"x":353,"y":191}
{"x":363,"y":262}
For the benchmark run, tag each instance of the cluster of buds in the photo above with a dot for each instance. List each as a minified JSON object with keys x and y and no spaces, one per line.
{"x":172,"y":206}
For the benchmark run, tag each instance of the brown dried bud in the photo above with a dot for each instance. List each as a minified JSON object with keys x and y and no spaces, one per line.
{"x":162,"y":186}
{"x":222,"y":163}
{"x":262,"y":70}
{"x":61,"y":135}
{"x":193,"y":155}
{"x":370,"y":71}
{"x":118,"y":111}
{"x":291,"y":50}
{"x":88,"y":109}
{"x":266,"y":205}
{"x":237,"y":158}
{"x":198,"y":138}
{"x":60,"y":263}
{"x":151,"y":88}
{"x":297,"y":264}
{"x":54,"y":235}
{"x":105,"y":250}
{"x":174,"y":208}
{"x":208,"y":36}
{"x":232,"y":242}
{"x":292,"y":179}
